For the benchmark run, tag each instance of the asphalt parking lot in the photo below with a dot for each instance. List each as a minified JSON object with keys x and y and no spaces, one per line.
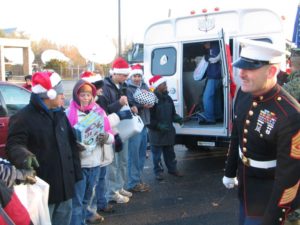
{"x":198,"y":198}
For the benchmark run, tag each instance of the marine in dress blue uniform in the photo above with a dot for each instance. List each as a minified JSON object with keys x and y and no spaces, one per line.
{"x":264,"y":153}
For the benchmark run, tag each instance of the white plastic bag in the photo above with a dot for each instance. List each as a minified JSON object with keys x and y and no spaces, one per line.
{"x":130,"y":127}
{"x":34,"y":197}
{"x":200,"y":69}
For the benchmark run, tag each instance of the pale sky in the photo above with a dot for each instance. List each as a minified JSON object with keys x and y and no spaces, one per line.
{"x":86,"y":23}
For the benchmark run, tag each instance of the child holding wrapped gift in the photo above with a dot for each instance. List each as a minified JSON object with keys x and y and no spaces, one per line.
{"x":82,"y":104}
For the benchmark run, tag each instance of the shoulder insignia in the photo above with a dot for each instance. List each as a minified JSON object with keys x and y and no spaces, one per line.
{"x":289,"y":194}
{"x":295,"y":146}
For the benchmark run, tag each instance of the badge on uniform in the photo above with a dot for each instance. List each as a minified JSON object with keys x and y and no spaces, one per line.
{"x":268,"y":118}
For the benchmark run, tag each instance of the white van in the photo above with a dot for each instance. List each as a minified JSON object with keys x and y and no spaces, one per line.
{"x":171,"y":47}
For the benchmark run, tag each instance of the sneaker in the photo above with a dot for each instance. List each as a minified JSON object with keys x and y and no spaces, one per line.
{"x":140,"y":188}
{"x":159,"y":177}
{"x":176,"y":174}
{"x":125,"y":193}
{"x":118,"y":198}
{"x":95,"y":219}
{"x":108,"y":209}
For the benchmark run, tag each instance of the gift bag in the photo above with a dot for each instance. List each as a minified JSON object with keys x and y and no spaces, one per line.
{"x":144,"y":97}
{"x":34,"y":197}
{"x":200,"y":69}
{"x":130,"y":127}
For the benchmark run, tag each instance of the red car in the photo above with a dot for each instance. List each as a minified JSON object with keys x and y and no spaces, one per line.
{"x":12,"y":99}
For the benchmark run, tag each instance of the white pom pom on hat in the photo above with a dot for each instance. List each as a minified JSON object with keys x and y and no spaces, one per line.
{"x":44,"y":83}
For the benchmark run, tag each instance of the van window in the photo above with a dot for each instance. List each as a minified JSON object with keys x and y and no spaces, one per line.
{"x":163,"y":61}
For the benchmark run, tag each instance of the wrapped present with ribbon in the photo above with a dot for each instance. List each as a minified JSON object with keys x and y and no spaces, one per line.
{"x":87,"y":129}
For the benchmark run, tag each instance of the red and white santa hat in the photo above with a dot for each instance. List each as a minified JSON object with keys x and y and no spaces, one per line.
{"x":120,"y":66}
{"x":47,"y":84}
{"x":157,"y":80}
{"x":137,"y":69}
{"x":90,"y":77}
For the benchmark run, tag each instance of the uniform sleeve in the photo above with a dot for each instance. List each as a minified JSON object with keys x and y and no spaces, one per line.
{"x":233,"y":154}
{"x":286,"y":183}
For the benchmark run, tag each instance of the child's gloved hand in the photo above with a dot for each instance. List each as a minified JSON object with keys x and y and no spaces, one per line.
{"x":178,"y":119}
{"x":163,"y":127}
{"x":102,"y":138}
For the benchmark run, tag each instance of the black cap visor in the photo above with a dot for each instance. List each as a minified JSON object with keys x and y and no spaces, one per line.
{"x":249,"y":64}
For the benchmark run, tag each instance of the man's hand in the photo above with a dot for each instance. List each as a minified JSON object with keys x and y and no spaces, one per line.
{"x":229,"y":182}
{"x":178,"y":119}
{"x":102,"y":138}
{"x":134,"y":109}
{"x":26,"y":176}
{"x":123,"y":100}
{"x":30,"y":162}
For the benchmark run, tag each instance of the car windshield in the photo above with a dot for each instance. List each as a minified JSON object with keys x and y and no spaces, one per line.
{"x":14,"y":97}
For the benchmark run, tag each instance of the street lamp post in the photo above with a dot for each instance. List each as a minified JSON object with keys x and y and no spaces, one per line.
{"x":119,"y":28}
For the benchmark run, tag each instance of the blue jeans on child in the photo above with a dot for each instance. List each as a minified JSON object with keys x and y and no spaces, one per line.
{"x":84,"y":194}
{"x":246,"y":220}
{"x":117,"y":172}
{"x":169,"y":158}
{"x":212,"y":100}
{"x":60,"y":213}
{"x":101,"y":190}
{"x":137,"y":147}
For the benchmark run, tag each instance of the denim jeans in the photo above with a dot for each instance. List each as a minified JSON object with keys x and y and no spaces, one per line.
{"x":137,"y":147}
{"x":212,"y":100}
{"x":169,"y":158}
{"x":60,"y":213}
{"x":117,"y":172}
{"x":246,"y":220}
{"x":84,"y":194}
{"x":100,"y":200}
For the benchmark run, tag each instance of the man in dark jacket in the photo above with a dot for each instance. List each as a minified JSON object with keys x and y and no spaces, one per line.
{"x":161,"y":129}
{"x":41,"y":137}
{"x":264,"y":150}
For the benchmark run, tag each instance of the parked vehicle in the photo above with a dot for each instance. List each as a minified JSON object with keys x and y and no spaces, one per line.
{"x":172,"y":46}
{"x":12,"y":99}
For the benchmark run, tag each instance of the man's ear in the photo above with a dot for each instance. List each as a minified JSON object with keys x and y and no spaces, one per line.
{"x":273,"y":70}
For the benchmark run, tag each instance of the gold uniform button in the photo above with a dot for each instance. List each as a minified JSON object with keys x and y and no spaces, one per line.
{"x":244,"y":149}
{"x":280,"y":219}
{"x":279,"y":98}
{"x":245,"y":140}
{"x":250,"y":113}
{"x":261,"y":135}
{"x":245,"y":131}
{"x":261,"y":98}
{"x":254,"y":104}
{"x":247,"y":122}
{"x":283,"y":210}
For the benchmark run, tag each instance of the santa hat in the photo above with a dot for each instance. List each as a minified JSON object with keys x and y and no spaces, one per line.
{"x":47,"y":84}
{"x":157,"y":80}
{"x":120,"y":66}
{"x":136,"y":70}
{"x":90,"y":77}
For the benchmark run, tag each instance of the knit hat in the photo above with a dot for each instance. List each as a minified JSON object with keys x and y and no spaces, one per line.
{"x":136,"y":70}
{"x":93,"y":78}
{"x":120,"y":66}
{"x":157,"y":80}
{"x":47,"y":84}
